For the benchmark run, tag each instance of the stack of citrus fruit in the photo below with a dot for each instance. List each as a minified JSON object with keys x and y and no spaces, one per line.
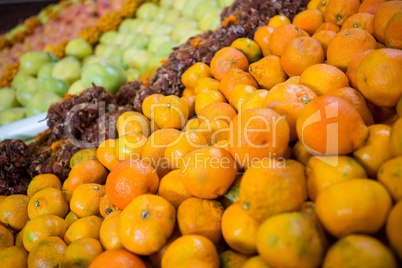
{"x":285,"y":151}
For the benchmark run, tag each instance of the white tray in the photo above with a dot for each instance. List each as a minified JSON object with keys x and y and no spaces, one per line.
{"x":24,"y":129}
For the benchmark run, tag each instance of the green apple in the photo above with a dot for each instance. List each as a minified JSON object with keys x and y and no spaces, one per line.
{"x":125,"y":25}
{"x":113,"y":53}
{"x":189,"y":8}
{"x":41,"y":102}
{"x":10,"y":115}
{"x":78,"y":48}
{"x":133,"y":74}
{"x":128,"y":39}
{"x":204,"y":7}
{"x":100,"y":48}
{"x":68,"y":70}
{"x":152,"y":25}
{"x":161,"y":14}
{"x":139,"y":27}
{"x":119,"y":39}
{"x":225,"y":3}
{"x":140,"y":41}
{"x":32,"y":61}
{"x":156,"y":41}
{"x":179,"y":4}
{"x":136,"y":58}
{"x":209,"y":17}
{"x":27,"y":90}
{"x":214,"y":24}
{"x":166,"y":48}
{"x":154,"y":61}
{"x":94,"y":59}
{"x":8,"y":98}
{"x":146,"y":11}
{"x":20,"y":78}
{"x":46,"y":70}
{"x":162,"y":29}
{"x":171,"y":17}
{"x":108,"y":37}
{"x":182,"y":26}
{"x":188,"y":35}
{"x":104,"y":74}
{"x":76,"y":88}
{"x":166,"y":3}
{"x":54,"y":85}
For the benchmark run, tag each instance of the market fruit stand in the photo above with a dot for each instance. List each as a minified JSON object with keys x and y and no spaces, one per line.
{"x":149,"y":146}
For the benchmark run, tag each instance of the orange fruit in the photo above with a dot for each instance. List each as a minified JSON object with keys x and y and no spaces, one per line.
{"x":390,"y":174}
{"x":80,"y":253}
{"x":268,"y":71}
{"x":395,"y":139}
{"x":249,"y":48}
{"x":362,"y":21}
{"x":254,"y":138}
{"x":278,"y":241}
{"x":117,"y":258}
{"x":108,"y":232}
{"x":196,"y":71}
{"x":393,"y":33}
{"x":70,"y":218}
{"x":370,"y":6}
{"x":392,"y":228}
{"x":130,"y":179}
{"x":86,"y":198}
{"x":185,"y":143}
{"x":239,"y":229}
{"x":133,"y":123}
{"x":151,"y":216}
{"x":354,"y":98}
{"x":217,"y":111}
{"x":261,"y":36}
{"x":214,"y":177}
{"x":382,"y":16}
{"x":82,"y":228}
{"x":85,"y":172}
{"x":300,"y":53}
{"x":48,"y":201}
{"x":309,"y":20}
{"x":351,"y":71}
{"x":368,"y":155}
{"x":13,"y":211}
{"x":42,"y":227}
{"x":328,"y":26}
{"x":106,"y":154}
{"x":335,"y":168}
{"x":14,"y":257}
{"x":148,"y":104}
{"x":230,"y":258}
{"x":197,"y":248}
{"x":155,"y":147}
{"x":171,"y":188}
{"x":325,"y":126}
{"x":47,"y":253}
{"x":190,"y":104}
{"x":207,"y":97}
{"x":337,"y":11}
{"x":322,"y":78}
{"x":226,"y":59}
{"x":256,"y":100}
{"x":294,"y":80}
{"x":129,"y":146}
{"x":204,"y":84}
{"x":289,"y":100}
{"x":234,"y":78}
{"x":192,"y":125}
{"x":284,"y":181}
{"x":83,"y":155}
{"x":278,"y":20}
{"x":214,"y":131}
{"x":347,"y":44}
{"x":257,"y":261}
{"x":188,"y":92}
{"x":240,"y":95}
{"x":6,"y":237}
{"x":380,"y":85}
{"x":203,"y":217}
{"x":368,"y":199}
{"x":300,"y":153}
{"x":41,"y":182}
{"x":322,"y":5}
{"x":324,"y":37}
{"x":171,"y":112}
{"x":281,"y":36}
{"x":105,"y":206}
{"x":155,"y":259}
{"x":312,"y":4}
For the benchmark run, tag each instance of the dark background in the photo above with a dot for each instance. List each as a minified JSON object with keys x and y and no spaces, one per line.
{"x":13,"y":11}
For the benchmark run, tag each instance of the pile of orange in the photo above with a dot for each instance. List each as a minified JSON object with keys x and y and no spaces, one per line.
{"x":284,"y":151}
